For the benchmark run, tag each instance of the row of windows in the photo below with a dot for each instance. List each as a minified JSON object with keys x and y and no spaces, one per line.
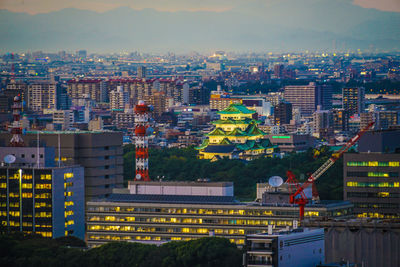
{"x":25,"y":177}
{"x":26,"y":195}
{"x":148,"y":238}
{"x":373,"y":184}
{"x":377,"y":215}
{"x":372,"y":174}
{"x":373,"y":163}
{"x":373,"y":194}
{"x":189,"y":220}
{"x":185,"y":211}
{"x":377,"y":205}
{"x":119,"y":228}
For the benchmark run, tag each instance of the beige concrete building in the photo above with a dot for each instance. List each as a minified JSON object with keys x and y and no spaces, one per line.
{"x":42,"y":95}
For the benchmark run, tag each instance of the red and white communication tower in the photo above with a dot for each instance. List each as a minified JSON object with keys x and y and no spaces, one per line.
{"x":142,"y":118}
{"x":16,"y":128}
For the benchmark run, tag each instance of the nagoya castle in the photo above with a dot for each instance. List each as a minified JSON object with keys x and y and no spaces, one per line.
{"x":236,"y":136}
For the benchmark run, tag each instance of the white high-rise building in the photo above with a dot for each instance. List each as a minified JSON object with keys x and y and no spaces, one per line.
{"x":119,"y":99}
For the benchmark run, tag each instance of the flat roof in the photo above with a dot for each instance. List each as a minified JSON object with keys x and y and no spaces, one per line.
{"x":181,"y":183}
{"x":174,"y":199}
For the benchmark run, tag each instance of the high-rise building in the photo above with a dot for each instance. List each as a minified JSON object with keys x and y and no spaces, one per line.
{"x":386,"y":118}
{"x":100,"y":153}
{"x":353,"y":100}
{"x":38,"y":197}
{"x":340,"y":120}
{"x":372,"y":183}
{"x":119,"y":99}
{"x":94,"y":88}
{"x":158,"y":101}
{"x":372,"y":176}
{"x":304,"y":97}
{"x":326,"y":97}
{"x":323,"y":123}
{"x":283,"y":113}
{"x":279,"y":71}
{"x":82,"y":54}
{"x":42,"y":95}
{"x":141,"y":72}
{"x":124,"y":119}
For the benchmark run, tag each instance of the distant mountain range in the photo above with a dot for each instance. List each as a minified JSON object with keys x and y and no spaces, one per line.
{"x":285,"y":25}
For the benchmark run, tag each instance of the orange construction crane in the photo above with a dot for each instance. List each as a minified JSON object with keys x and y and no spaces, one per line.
{"x":298,"y":197}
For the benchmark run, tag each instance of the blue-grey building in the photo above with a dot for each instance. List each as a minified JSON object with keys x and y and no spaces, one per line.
{"x":38,"y":197}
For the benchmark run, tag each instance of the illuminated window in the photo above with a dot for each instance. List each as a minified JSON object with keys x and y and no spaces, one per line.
{"x":68,"y":203}
{"x":109,"y":218}
{"x":43,"y":186}
{"x":26,"y":195}
{"x":45,"y":176}
{"x":383,"y":194}
{"x":68,"y":175}
{"x":27,"y":186}
{"x":68,"y":213}
{"x":68,"y":194}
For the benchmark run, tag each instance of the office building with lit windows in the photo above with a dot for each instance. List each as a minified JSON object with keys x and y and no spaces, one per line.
{"x":37,"y":197}
{"x":99,"y":152}
{"x":372,"y":183}
{"x":166,"y":211}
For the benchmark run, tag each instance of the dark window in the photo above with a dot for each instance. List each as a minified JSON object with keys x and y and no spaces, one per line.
{"x":41,"y":156}
{"x":33,"y":155}
{"x":22,"y":155}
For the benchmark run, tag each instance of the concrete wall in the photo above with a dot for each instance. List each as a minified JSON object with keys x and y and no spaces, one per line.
{"x":188,"y":189}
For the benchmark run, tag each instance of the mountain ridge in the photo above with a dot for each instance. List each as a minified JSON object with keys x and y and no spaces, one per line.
{"x":267,"y":29}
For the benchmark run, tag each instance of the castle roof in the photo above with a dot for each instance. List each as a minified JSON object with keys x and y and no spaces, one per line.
{"x":236,"y":109}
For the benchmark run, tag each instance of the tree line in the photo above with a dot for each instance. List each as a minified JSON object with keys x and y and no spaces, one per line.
{"x":18,"y":249}
{"x":173,"y":164}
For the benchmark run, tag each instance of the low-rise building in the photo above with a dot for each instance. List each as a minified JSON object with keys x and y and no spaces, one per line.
{"x":161,"y":212}
{"x":298,"y":247}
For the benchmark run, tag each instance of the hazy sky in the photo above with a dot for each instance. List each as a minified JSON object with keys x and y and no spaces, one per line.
{"x":44,"y":6}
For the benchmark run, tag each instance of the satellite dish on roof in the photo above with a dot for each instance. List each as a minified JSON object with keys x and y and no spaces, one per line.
{"x":9,"y":159}
{"x":275,"y":181}
{"x":138,"y":176}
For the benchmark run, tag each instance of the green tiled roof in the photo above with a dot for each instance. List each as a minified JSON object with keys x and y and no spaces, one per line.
{"x":225,"y":141}
{"x":216,"y":132}
{"x":252,"y":130}
{"x":237,"y":132}
{"x":203,"y":145}
{"x":254,"y":145}
{"x":231,"y":121}
{"x":236,"y":109}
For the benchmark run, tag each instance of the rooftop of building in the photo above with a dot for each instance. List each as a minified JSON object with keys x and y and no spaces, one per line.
{"x":201,"y":183}
{"x":286,"y":233}
{"x":70,"y":132}
{"x":170,"y":199}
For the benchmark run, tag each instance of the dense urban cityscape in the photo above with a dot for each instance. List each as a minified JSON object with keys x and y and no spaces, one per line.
{"x":221,"y":158}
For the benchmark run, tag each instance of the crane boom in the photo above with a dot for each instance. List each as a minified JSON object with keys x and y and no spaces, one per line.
{"x":324,"y":167}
